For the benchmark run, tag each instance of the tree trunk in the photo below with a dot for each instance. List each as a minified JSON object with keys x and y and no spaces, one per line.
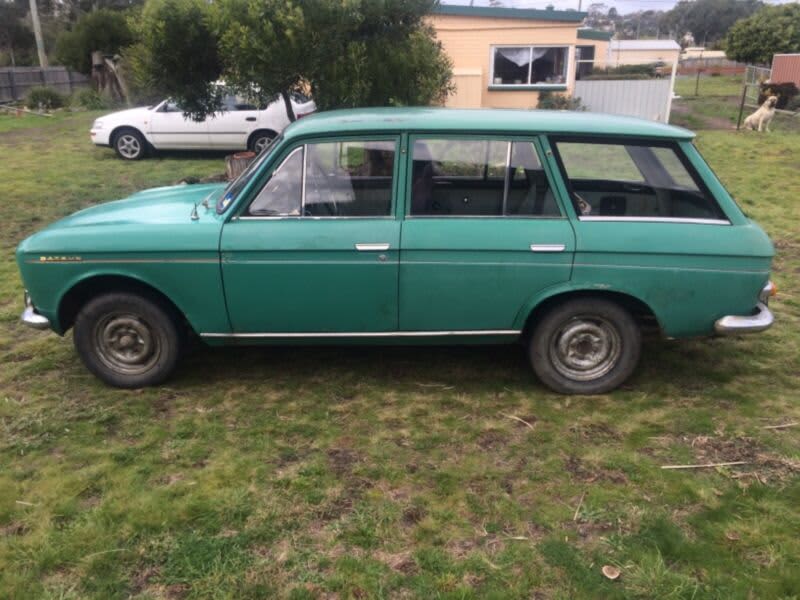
{"x":236,"y":163}
{"x":287,"y":100}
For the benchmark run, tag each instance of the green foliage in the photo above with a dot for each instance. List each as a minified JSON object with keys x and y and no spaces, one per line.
{"x":177,"y":54}
{"x":708,"y":20}
{"x":90,"y":100}
{"x":555,"y":101}
{"x":106,"y":31}
{"x":357,"y":53}
{"x":784,"y":91}
{"x":44,"y":97}
{"x":16,"y":40}
{"x":772,"y":30}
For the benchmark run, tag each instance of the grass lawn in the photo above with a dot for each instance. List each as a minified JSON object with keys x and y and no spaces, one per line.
{"x":716,"y":105}
{"x":392,"y":472}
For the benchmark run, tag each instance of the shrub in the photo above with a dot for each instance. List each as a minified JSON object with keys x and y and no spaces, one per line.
{"x":784,"y":91}
{"x":553,"y":101}
{"x":103,"y":30}
{"x":794,"y":104}
{"x":90,"y":99}
{"x":44,"y":97}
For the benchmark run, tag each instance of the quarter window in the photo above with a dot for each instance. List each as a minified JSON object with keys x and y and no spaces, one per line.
{"x":489,"y":178}
{"x":331,"y":179}
{"x":635,"y":181}
{"x":529,"y":65}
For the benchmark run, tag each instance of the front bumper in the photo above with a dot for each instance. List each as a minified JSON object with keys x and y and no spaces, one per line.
{"x":31,"y":318}
{"x":760,"y":321}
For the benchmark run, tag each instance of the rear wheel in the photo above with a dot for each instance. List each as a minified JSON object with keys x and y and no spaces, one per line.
{"x":128,"y":340}
{"x":585,"y":346}
{"x":130,"y":144}
{"x":260,"y":141}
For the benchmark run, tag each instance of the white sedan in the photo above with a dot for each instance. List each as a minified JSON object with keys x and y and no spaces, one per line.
{"x":239,"y":126}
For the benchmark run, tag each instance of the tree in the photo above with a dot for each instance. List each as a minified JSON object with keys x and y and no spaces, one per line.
{"x":772,"y":30}
{"x":708,"y":20}
{"x":355,"y":53}
{"x":104,"y":30}
{"x":15,"y":37}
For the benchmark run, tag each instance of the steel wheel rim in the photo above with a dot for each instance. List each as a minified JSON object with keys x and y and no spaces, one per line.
{"x":261,"y":143}
{"x":128,"y":145}
{"x":585,"y":348}
{"x":126,"y":343}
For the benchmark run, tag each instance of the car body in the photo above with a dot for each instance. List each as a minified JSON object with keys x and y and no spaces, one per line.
{"x":240,"y":125}
{"x":570,"y":232}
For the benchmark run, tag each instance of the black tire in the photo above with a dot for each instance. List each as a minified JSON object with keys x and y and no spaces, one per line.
{"x":260,"y":140}
{"x":128,"y":340}
{"x":585,"y":346}
{"x":129,"y":144}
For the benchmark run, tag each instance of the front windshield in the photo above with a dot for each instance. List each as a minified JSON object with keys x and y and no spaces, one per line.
{"x":232,"y":190}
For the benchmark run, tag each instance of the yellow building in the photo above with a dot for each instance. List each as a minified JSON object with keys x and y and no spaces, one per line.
{"x":503,"y":57}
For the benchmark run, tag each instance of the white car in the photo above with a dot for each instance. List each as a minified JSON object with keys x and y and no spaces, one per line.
{"x":239,"y":126}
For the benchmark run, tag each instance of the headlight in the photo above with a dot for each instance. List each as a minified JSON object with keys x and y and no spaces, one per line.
{"x":97,"y":124}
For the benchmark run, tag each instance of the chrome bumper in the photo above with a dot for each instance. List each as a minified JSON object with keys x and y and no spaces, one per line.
{"x":762,"y":320}
{"x":31,"y":318}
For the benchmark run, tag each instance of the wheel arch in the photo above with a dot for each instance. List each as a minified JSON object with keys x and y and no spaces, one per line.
{"x":530,"y":315}
{"x":260,"y":130}
{"x":80,"y":292}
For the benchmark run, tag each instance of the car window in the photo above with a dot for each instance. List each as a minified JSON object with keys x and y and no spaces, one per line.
{"x":231,"y":102}
{"x":634,"y":180}
{"x":342,"y":179}
{"x":491,"y":178}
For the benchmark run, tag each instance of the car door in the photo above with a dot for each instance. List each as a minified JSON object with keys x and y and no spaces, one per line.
{"x":230,"y":128}
{"x":315,"y":252}
{"x":169,"y":129}
{"x":483,"y":234}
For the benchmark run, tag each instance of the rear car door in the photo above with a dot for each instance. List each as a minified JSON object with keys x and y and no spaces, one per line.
{"x":315,"y":253}
{"x":229,"y":128}
{"x":484,"y":233}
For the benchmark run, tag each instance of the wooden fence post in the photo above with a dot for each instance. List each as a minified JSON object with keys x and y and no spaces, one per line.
{"x":741,"y":107}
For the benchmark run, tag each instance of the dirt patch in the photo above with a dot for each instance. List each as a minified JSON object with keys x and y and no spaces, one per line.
{"x":492,"y":439}
{"x":402,"y":562}
{"x":13,"y":528}
{"x":597,"y":432}
{"x":760,"y":464}
{"x":341,"y":460}
{"x":343,"y":503}
{"x":580,"y":471}
{"x":413,"y":515}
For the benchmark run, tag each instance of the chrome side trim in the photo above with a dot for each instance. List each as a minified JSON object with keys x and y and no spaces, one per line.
{"x":379,"y":247}
{"x":31,"y":318}
{"x":547,"y":247}
{"x":363,"y":334}
{"x":656,"y":220}
{"x":735,"y":324}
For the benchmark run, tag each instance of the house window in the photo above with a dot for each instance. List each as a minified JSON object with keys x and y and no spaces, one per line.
{"x":584,"y":58}
{"x":529,"y":65}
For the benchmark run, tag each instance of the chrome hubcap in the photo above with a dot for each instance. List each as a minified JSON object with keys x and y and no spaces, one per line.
{"x":126,"y":344}
{"x":585,"y":348}
{"x":128,"y":146}
{"x":261,"y":143}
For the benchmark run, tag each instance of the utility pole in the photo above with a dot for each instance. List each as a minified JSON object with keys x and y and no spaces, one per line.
{"x":37,"y":31}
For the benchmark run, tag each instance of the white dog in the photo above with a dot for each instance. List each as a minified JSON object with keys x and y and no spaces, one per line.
{"x":761,"y":118}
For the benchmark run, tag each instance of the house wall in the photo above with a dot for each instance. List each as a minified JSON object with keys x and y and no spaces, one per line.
{"x":468,"y":42}
{"x":639,"y":57}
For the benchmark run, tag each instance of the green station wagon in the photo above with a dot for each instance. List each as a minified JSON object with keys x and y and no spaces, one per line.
{"x":567,"y":232}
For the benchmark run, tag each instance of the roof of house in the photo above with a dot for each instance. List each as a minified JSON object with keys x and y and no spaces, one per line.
{"x":450,"y":120}
{"x":501,"y":12}
{"x":645,"y":45}
{"x":594,"y":34}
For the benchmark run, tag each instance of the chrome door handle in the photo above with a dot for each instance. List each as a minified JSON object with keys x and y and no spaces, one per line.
{"x":372,"y":247}
{"x":547,"y":247}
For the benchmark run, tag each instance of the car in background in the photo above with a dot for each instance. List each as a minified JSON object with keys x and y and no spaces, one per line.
{"x":240,"y":125}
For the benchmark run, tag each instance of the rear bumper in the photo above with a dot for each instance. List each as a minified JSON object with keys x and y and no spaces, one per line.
{"x":31,"y":318}
{"x":760,"y":321}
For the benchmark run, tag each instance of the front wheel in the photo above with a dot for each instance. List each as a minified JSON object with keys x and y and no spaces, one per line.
{"x":130,"y":144}
{"x":585,"y":346}
{"x":127,"y":340}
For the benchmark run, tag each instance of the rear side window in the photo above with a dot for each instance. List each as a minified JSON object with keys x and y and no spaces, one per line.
{"x":479,"y":178}
{"x":632,"y":180}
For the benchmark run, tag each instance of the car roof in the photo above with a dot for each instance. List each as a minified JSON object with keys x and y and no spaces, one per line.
{"x":451,"y":120}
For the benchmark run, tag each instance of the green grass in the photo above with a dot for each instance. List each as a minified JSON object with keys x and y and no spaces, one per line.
{"x":716,"y":105}
{"x":375,"y":472}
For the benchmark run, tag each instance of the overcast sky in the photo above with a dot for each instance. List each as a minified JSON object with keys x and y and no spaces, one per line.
{"x":622,"y":6}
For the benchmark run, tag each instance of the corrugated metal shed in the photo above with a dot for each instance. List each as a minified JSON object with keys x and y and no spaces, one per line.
{"x":786,"y":68}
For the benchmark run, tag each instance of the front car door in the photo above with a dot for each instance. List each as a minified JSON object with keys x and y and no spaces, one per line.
{"x":484,"y":234}
{"x":315,"y":251}
{"x":169,"y":129}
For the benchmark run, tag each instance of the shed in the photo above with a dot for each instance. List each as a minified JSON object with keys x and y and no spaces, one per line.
{"x":786,"y":68}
